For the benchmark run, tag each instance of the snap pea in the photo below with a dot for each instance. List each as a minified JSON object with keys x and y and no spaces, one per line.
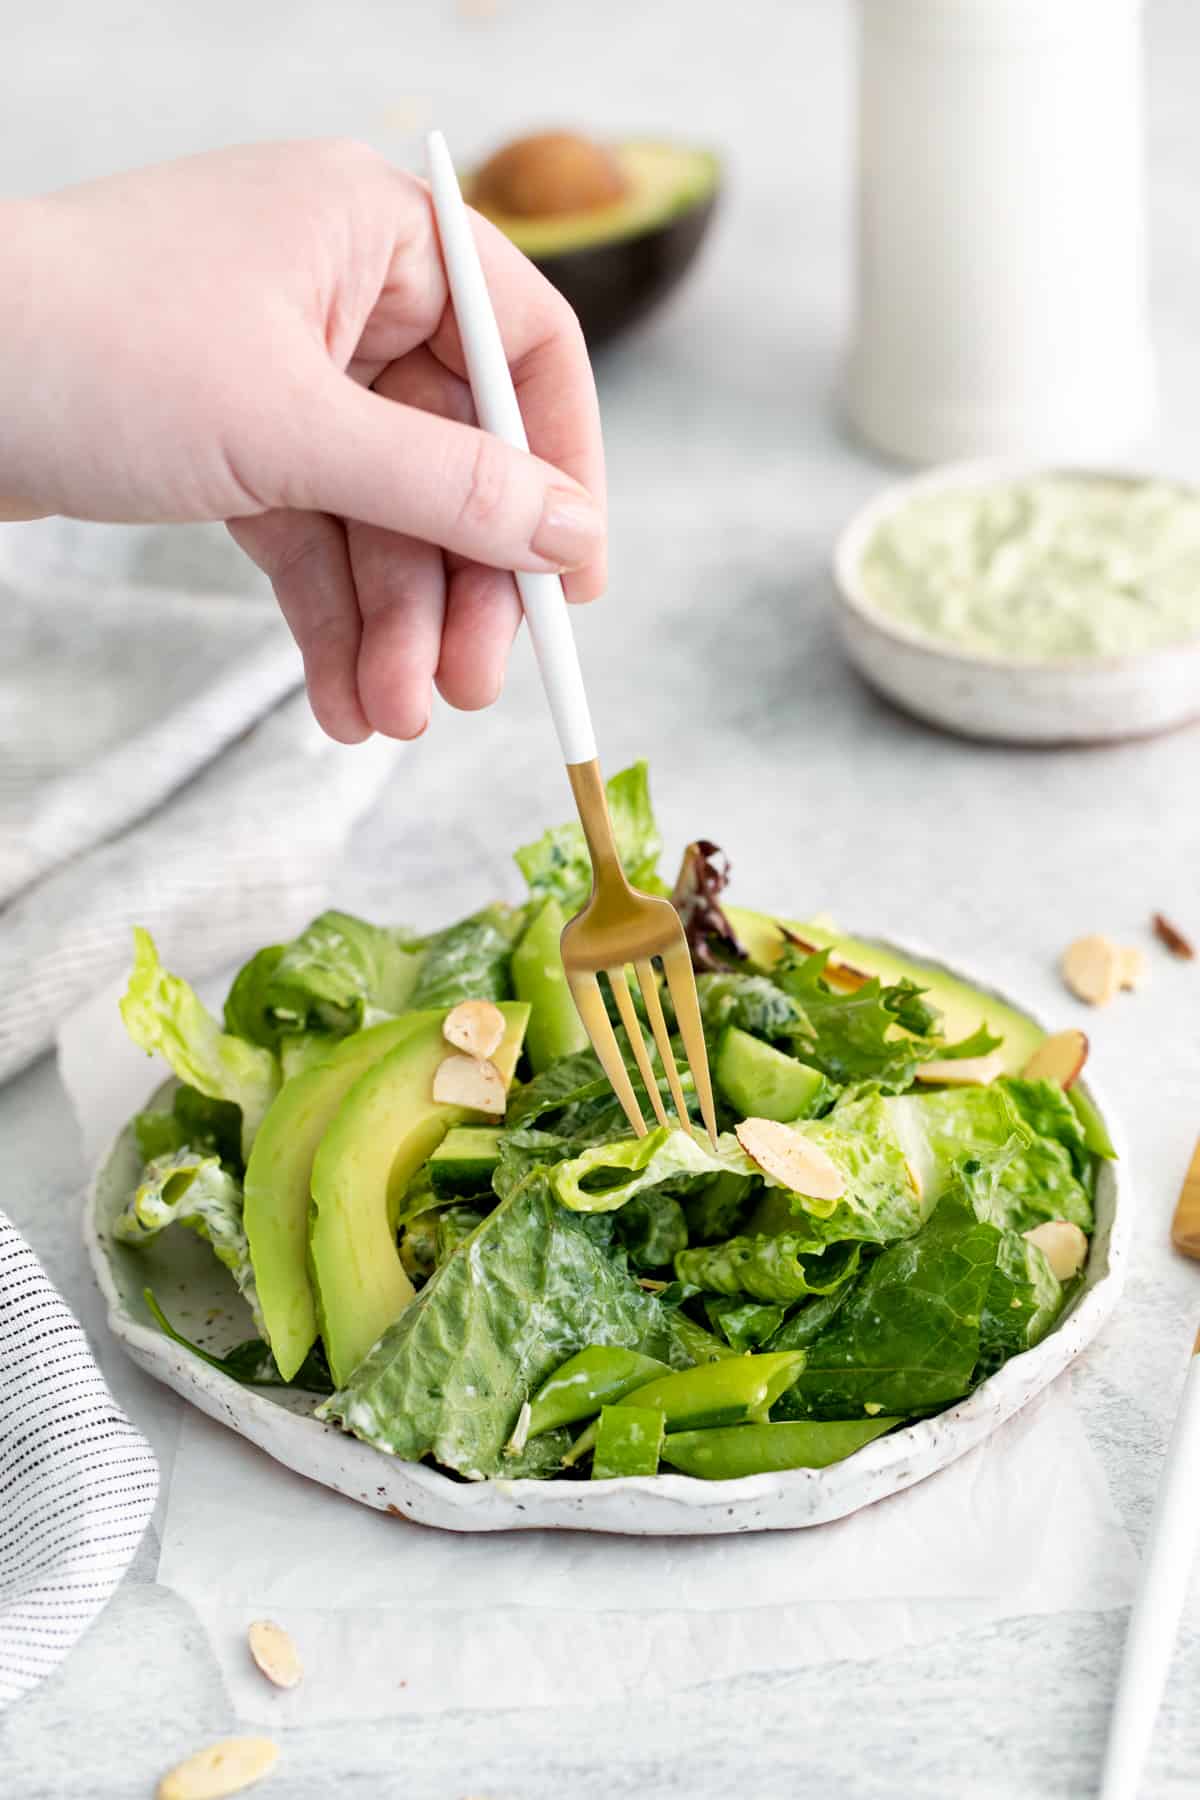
{"x":736,"y":1450}
{"x":628,"y":1441}
{"x":595,"y":1377}
{"x":715,"y":1393}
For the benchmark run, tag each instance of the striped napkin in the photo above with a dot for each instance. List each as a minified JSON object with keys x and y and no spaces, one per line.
{"x":77,"y":1482}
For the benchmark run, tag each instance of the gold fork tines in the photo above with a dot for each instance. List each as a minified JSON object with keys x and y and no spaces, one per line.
{"x":616,"y":928}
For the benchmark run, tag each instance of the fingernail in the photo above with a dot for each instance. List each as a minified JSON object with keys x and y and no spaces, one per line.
{"x":569,"y":530}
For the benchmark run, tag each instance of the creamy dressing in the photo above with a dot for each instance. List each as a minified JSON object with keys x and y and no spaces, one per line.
{"x":1055,"y":566}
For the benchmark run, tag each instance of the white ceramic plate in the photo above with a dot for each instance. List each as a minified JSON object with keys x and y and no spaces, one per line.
{"x":1070,"y":700}
{"x":199,"y":1298}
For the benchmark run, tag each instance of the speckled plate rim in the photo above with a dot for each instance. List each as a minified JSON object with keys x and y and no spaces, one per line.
{"x":644,"y":1505}
{"x":857,"y":533}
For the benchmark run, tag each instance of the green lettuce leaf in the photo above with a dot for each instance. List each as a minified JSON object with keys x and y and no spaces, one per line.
{"x":907,"y":1338}
{"x":557,"y":866}
{"x":651,"y":1229}
{"x":468,"y":961}
{"x":163,"y":1014}
{"x":717,"y":1209}
{"x":1024,"y":1298}
{"x":883,"y":1199}
{"x":193,"y":1190}
{"x":806,"y":1324}
{"x":454,"y":1226}
{"x":325,"y":980}
{"x":193,"y":1122}
{"x":1047,"y":1110}
{"x":744,"y":1324}
{"x":529,"y":1288}
{"x":773,"y":1268}
{"x":947,"y":1128}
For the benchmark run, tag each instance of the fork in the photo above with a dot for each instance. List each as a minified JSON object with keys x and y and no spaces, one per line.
{"x":618,"y":926}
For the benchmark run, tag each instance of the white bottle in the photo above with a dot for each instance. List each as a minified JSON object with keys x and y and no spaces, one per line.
{"x":1001,"y":307}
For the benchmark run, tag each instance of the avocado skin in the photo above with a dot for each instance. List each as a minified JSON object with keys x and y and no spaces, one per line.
{"x":613,"y":285}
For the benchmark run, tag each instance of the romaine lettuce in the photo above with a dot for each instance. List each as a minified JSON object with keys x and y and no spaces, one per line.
{"x":558,"y":867}
{"x":163,"y":1014}
{"x":325,"y":980}
{"x":883,"y":1198}
{"x":528,"y":1289}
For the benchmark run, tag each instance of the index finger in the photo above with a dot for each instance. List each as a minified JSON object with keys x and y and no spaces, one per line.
{"x":551,"y":373}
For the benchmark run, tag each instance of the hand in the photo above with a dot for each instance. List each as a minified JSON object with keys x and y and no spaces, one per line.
{"x":263,"y":335}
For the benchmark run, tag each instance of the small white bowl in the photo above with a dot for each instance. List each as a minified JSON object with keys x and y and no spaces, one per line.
{"x":1063,"y":700}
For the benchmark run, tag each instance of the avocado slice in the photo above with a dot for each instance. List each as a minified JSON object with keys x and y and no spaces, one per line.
{"x":762,"y":1082}
{"x":555,"y":1028}
{"x":465,"y":1161}
{"x":963,"y":1007}
{"x":386,"y":1127}
{"x":278,"y":1177}
{"x":627,"y":244}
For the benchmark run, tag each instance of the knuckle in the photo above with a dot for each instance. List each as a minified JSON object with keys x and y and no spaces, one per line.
{"x":487,"y":491}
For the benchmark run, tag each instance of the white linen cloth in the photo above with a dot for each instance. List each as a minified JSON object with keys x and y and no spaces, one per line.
{"x":158,"y":766}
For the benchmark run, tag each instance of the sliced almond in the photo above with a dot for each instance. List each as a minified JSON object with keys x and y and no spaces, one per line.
{"x":1092,"y":969}
{"x":221,"y":1769}
{"x":1134,"y":967}
{"x":275,"y":1653}
{"x":466,"y":1081}
{"x":476,"y":1026}
{"x":791,"y":1159}
{"x":1064,"y":1246}
{"x":963,"y":1071}
{"x":1059,"y":1059}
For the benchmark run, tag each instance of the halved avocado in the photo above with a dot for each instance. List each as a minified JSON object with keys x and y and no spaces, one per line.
{"x":963,"y":1008}
{"x":386,"y":1127}
{"x":613,"y":227}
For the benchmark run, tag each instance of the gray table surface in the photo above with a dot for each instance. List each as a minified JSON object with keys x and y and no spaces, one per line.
{"x":714,"y":656}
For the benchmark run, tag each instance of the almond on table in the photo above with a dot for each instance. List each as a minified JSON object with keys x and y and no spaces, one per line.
{"x":275,"y":1653}
{"x":1173,"y":938}
{"x":219,"y":1770}
{"x":1093,"y":968}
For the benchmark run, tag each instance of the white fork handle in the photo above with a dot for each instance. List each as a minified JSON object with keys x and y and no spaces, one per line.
{"x":498,"y":411}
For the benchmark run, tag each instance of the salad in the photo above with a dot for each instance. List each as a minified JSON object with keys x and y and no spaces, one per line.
{"x":407,"y":1156}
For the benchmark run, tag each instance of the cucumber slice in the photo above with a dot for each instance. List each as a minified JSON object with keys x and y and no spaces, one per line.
{"x":761,"y":1082}
{"x":465,"y":1160}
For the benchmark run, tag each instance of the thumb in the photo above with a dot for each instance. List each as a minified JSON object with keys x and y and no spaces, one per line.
{"x":388,"y":464}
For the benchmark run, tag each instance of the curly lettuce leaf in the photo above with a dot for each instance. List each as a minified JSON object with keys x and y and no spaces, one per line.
{"x":883,"y":1198}
{"x":779,"y":1267}
{"x":339,"y":970}
{"x":528,"y":1289}
{"x":907,"y":1337}
{"x":163,"y":1014}
{"x":189,"y":1189}
{"x":557,"y":866}
{"x":468,"y":961}
{"x":751,"y":1002}
{"x":852,"y":1036}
